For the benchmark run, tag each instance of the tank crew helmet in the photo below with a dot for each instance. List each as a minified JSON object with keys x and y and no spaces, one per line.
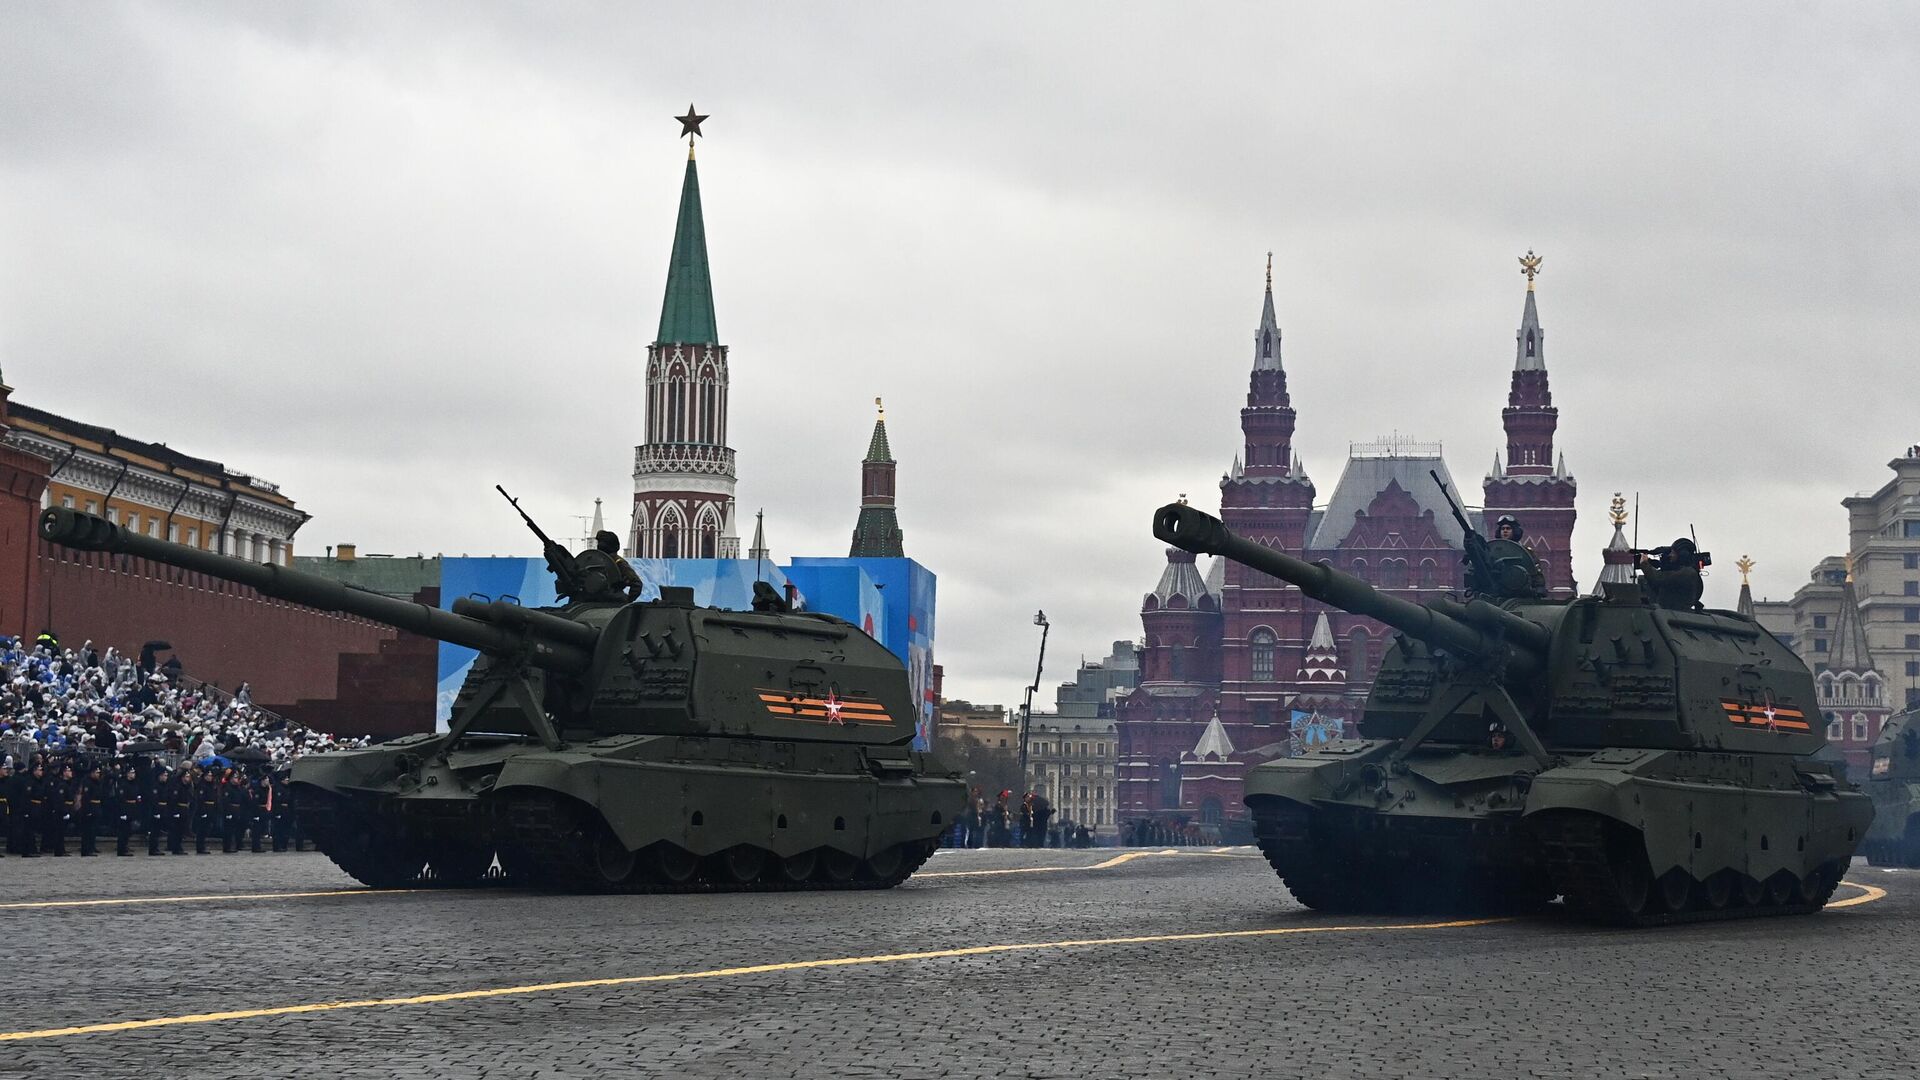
{"x":607,"y":542}
{"x":1683,"y":546}
{"x":1507,"y":528}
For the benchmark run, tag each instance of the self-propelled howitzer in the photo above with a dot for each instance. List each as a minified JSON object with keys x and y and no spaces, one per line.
{"x":616,"y":746}
{"x":1647,"y":763}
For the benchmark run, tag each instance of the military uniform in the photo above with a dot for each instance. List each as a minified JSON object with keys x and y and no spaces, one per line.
{"x":6,"y":811}
{"x":87,"y":794}
{"x":206,"y":812}
{"x":124,"y":804}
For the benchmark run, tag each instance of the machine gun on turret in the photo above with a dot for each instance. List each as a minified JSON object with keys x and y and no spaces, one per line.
{"x":1476,"y":545}
{"x":566,"y":570}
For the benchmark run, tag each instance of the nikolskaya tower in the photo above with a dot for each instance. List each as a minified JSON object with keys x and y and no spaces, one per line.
{"x":683,"y":476}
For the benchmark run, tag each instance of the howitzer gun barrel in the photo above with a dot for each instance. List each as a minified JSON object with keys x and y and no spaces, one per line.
{"x":559,"y":652}
{"x":1191,"y":530}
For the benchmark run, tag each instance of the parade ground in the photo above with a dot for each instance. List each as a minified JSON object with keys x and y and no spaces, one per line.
{"x":1164,"y":963}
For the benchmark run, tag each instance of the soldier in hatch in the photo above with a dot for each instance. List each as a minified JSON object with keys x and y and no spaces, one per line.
{"x":1672,"y":574}
{"x":1502,"y":568}
{"x":625,"y":578}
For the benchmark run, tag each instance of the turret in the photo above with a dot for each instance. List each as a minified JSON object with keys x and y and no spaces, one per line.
{"x":1475,"y":629}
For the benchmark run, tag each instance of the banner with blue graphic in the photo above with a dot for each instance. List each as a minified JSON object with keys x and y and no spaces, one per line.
{"x":891,"y":599}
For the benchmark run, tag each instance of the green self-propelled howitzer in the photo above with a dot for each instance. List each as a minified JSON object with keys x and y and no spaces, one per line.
{"x":613,"y":746}
{"x":1647,"y":763}
{"x":1893,"y":781}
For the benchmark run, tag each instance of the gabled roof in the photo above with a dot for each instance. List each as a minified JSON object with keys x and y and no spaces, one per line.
{"x":1366,"y":476}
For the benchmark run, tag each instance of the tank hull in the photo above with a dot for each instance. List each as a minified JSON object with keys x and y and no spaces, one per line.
{"x":1894,"y":839}
{"x":638,"y":813}
{"x":1627,"y":835}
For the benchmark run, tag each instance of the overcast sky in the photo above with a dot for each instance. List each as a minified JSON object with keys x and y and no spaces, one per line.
{"x":388,"y":255}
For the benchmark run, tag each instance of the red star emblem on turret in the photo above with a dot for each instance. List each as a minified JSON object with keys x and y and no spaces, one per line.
{"x":833,"y":708}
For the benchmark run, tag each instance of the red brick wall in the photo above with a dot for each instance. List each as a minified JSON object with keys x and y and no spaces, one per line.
{"x":22,"y":478}
{"x":222,"y":632}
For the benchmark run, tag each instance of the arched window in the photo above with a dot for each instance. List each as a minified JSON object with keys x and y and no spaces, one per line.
{"x":1357,"y":642}
{"x":1260,"y":645}
{"x":1360,"y":569}
{"x":1428,"y":568}
{"x":1210,"y":813}
{"x":1393,"y":573}
{"x":1859,"y":727}
{"x":670,"y":535}
{"x":1836,"y":731}
{"x":1179,"y":660}
{"x":1170,"y":785}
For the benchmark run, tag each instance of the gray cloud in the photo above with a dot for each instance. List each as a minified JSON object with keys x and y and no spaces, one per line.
{"x":390,"y":255}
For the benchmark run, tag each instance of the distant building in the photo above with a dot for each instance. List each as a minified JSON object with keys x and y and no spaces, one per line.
{"x":157,"y":491}
{"x":299,"y":662}
{"x":1856,"y":622}
{"x":1239,"y":667}
{"x":1072,"y":752}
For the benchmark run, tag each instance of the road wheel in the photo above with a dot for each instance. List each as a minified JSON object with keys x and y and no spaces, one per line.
{"x":838,"y":866}
{"x":798,"y":868}
{"x":885,"y":863}
{"x":675,"y":864}
{"x":1717,"y":891}
{"x":1676,"y":890}
{"x":1817,"y":887}
{"x":612,"y":860}
{"x":1782,"y":888}
{"x":741,"y":864}
{"x":1632,"y":877}
{"x":1752,"y":893}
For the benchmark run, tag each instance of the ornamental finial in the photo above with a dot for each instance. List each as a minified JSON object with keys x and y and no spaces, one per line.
{"x":1745,"y":565}
{"x":1269,"y":271}
{"x":1618,"y":510}
{"x":1530,"y":266}
{"x":1849,"y":562}
{"x":881,"y":408}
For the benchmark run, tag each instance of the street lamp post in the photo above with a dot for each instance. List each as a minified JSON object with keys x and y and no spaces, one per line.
{"x":1026,"y":710}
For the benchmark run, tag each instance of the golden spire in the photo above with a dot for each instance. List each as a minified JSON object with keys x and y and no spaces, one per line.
{"x":882,"y":408}
{"x":1183,"y":498}
{"x":1530,"y":266}
{"x":1745,"y":565}
{"x":1618,"y":510}
{"x":1849,"y":561}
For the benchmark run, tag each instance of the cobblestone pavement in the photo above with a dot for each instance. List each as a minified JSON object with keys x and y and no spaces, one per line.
{"x":1826,"y":995}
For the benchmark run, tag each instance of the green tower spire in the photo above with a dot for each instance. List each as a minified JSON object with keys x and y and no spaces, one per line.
{"x":686,"y":317}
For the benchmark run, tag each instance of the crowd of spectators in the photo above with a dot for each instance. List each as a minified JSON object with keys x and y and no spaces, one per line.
{"x":96,"y":745}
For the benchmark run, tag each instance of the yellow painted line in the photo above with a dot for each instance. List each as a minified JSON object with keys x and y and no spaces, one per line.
{"x":195,"y":899}
{"x":1109,"y":864}
{"x":716,"y":973}
{"x":1868,"y":894}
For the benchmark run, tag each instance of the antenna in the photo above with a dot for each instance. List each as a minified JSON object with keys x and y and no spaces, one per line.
{"x":1636,"y":519}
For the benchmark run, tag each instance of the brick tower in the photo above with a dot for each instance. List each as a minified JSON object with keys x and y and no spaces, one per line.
{"x":876,"y":535}
{"x":1266,"y":497}
{"x":1532,"y":485}
{"x":683,"y":477}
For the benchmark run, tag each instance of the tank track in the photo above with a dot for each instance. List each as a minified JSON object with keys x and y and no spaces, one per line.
{"x":1358,"y":885}
{"x":1585,"y":872}
{"x":544,"y":846}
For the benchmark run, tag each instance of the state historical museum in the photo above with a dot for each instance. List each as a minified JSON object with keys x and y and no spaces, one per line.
{"x":1239,"y":667}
